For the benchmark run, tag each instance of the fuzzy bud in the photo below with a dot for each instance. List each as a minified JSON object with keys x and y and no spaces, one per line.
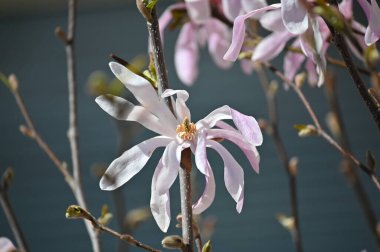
{"x":6,"y":179}
{"x":207,"y":247}
{"x":286,"y":221}
{"x":306,"y":130}
{"x":293,"y":166}
{"x":13,"y":82}
{"x":172,"y":242}
{"x":26,"y":131}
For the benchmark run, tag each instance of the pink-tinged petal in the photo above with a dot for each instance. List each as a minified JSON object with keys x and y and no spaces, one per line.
{"x":372,"y":12}
{"x":235,"y":137}
{"x":167,"y":16}
{"x":312,"y":75}
{"x":271,"y":46}
{"x":181,"y":108}
{"x":366,"y":8}
{"x":292,"y":62}
{"x":143,"y":92}
{"x":238,"y":31}
{"x":345,"y":7}
{"x":198,"y":10}
{"x":170,"y":167}
{"x":204,"y":167}
{"x":272,"y":21}
{"x":246,"y":66}
{"x":160,"y":203}
{"x":187,"y":55}
{"x":219,"y":37}
{"x":294,"y":16}
{"x":6,"y":245}
{"x":247,"y":125}
{"x":231,"y":8}
{"x":249,"y":5}
{"x":122,"y":169}
{"x":233,"y":174}
{"x":122,"y":109}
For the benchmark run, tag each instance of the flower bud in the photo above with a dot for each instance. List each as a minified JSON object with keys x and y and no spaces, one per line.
{"x":6,"y":179}
{"x":207,"y":247}
{"x":306,"y":130}
{"x":172,"y":242}
{"x":13,"y":82}
{"x":137,"y":216}
{"x":293,"y":166}
{"x":286,"y":221}
{"x":26,"y":131}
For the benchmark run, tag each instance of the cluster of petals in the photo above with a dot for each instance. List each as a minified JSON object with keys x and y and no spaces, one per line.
{"x":200,"y":29}
{"x":154,"y":115}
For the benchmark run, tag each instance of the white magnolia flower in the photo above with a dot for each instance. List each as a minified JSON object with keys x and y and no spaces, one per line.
{"x":177,"y":132}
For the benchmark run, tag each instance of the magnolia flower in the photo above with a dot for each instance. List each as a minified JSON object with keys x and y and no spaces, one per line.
{"x":177,"y":132}
{"x":202,"y":29}
{"x":372,"y":12}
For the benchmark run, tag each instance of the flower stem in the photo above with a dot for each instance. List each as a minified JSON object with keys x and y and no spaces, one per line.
{"x":185,"y":188}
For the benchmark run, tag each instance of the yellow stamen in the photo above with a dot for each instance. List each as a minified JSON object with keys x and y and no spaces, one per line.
{"x":186,"y":130}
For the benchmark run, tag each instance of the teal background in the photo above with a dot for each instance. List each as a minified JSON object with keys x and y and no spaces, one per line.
{"x":330,"y":216}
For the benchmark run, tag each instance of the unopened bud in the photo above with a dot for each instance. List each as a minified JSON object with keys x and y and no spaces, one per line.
{"x":26,"y":131}
{"x":306,"y":130}
{"x":105,"y":217}
{"x":207,"y":247}
{"x":76,"y":212}
{"x":293,"y":166}
{"x":137,"y":216}
{"x":172,"y":242}
{"x":300,"y":79}
{"x":6,"y":179}
{"x":13,"y":82}
{"x":61,"y":34}
{"x":333,"y":124}
{"x":286,"y":221}
{"x":371,"y":55}
{"x":145,"y":12}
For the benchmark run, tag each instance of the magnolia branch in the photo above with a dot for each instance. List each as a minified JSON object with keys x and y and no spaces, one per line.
{"x":348,"y":170}
{"x":319,"y":130}
{"x":77,"y":212}
{"x":270,"y":93}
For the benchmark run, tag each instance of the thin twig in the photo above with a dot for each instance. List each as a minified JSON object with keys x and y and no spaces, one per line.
{"x":341,"y":44}
{"x":74,"y":211}
{"x":282,"y":154}
{"x":12,"y":220}
{"x":320,"y":130}
{"x":342,"y":64}
{"x":72,"y":132}
{"x":348,"y":170}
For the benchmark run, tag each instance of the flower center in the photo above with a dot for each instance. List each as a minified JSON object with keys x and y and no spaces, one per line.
{"x":186,"y":130}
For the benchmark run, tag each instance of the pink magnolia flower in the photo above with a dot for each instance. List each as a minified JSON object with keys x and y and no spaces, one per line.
{"x":177,"y":132}
{"x":201,"y":29}
{"x":372,"y":12}
{"x":294,"y":16}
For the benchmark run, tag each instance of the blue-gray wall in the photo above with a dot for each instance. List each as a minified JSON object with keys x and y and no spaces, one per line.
{"x":331,"y":218}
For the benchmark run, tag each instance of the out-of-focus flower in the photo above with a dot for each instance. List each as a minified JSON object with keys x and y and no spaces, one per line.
{"x":200,"y":30}
{"x":177,"y":132}
{"x":372,"y":12}
{"x":6,"y":245}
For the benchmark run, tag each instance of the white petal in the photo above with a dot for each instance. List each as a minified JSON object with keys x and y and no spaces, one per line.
{"x":6,"y":245}
{"x":233,"y":174}
{"x":171,"y":164}
{"x":143,"y":92}
{"x":247,"y":125}
{"x":219,"y":37}
{"x":160,"y":204}
{"x":234,"y":136}
{"x":181,"y":108}
{"x":122,"y":169}
{"x":122,"y":109}
{"x":231,"y":8}
{"x":198,"y":10}
{"x":272,"y":21}
{"x":271,"y":46}
{"x":294,"y":16}
{"x":166,"y":17}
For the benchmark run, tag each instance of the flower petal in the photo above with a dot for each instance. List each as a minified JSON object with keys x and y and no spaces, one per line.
{"x":186,"y":54}
{"x":238,"y":32}
{"x":170,"y":167}
{"x":198,"y":10}
{"x":272,"y":21}
{"x":271,"y":46}
{"x":122,"y":169}
{"x":122,"y":109}
{"x":231,"y":8}
{"x":181,"y":108}
{"x":345,"y":8}
{"x":292,"y":62}
{"x":294,"y":16}
{"x":143,"y":92}
{"x":160,"y":203}
{"x":204,"y":167}
{"x":167,"y":16}
{"x":6,"y":245}
{"x":219,"y":37}
{"x":247,"y":125}
{"x":233,"y":174}
{"x":249,"y":5}
{"x":234,"y":136}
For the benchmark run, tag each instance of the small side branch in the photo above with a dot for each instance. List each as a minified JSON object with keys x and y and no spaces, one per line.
{"x":77,"y":212}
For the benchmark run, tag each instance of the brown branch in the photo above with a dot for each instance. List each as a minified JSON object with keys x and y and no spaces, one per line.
{"x":320,"y":130}
{"x":348,"y":170}
{"x":270,"y":94}
{"x":76,"y":212}
{"x":342,"y":64}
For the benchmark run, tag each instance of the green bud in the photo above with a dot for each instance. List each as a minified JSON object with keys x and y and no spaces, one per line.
{"x":75,"y":212}
{"x":137,"y":216}
{"x":306,"y":130}
{"x":105,"y":216}
{"x":6,"y":179}
{"x":286,"y":221}
{"x":207,"y":247}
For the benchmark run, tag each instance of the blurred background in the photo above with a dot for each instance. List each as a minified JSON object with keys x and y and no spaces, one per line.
{"x":330,"y":216}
